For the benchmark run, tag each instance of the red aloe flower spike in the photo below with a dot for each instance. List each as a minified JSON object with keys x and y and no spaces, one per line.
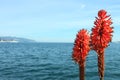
{"x":102,"y":31}
{"x":81,"y":49}
{"x":101,"y":36}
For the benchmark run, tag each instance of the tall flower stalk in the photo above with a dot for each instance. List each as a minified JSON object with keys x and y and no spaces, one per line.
{"x":100,"y":38}
{"x":80,"y":51}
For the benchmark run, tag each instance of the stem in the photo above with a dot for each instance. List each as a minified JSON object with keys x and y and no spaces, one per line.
{"x":102,"y":78}
{"x":82,"y":72}
{"x":101,"y":64}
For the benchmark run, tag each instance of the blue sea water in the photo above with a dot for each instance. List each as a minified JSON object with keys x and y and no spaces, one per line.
{"x":52,"y":61}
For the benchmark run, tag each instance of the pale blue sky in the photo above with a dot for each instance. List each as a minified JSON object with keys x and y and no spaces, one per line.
{"x":54,"y":20}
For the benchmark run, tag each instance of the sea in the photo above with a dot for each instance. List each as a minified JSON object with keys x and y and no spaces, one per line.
{"x":53,"y":61}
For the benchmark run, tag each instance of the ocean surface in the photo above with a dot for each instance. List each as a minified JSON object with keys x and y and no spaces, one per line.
{"x":52,"y":61}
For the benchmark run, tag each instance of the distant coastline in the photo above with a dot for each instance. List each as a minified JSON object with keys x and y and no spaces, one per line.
{"x":15,"y":40}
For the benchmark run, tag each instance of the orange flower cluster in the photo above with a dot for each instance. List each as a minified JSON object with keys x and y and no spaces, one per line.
{"x":102,"y":31}
{"x":100,"y":37}
{"x":81,"y":46}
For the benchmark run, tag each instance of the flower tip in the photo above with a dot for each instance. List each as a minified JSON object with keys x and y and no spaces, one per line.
{"x":102,"y":13}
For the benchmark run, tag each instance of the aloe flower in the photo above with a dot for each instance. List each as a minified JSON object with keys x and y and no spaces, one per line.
{"x":100,"y":38}
{"x":81,"y":49}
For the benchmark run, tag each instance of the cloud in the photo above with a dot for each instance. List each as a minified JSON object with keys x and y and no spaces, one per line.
{"x":82,"y":6}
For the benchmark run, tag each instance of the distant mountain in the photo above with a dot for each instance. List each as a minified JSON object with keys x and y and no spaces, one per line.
{"x":16,"y":40}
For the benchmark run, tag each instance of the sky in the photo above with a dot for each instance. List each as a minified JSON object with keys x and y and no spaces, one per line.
{"x":54,"y":20}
